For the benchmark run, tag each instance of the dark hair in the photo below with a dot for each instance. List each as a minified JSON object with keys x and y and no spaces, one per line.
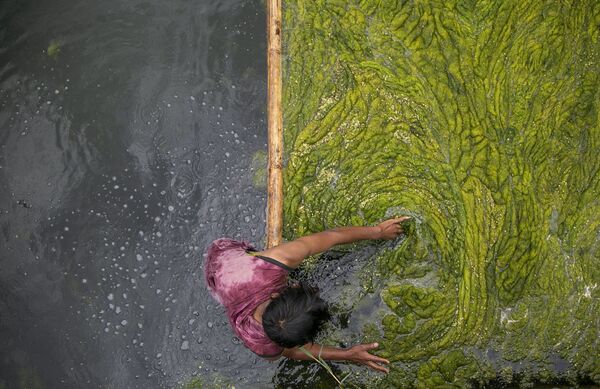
{"x":294,"y":318}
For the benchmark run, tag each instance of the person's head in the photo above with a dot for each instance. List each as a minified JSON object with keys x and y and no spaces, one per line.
{"x":294,"y":317}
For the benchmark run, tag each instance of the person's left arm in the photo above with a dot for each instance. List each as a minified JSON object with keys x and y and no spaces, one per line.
{"x":294,"y":252}
{"x":358,"y":354}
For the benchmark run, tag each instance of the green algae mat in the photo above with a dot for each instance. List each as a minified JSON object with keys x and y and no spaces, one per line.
{"x":481,"y":120}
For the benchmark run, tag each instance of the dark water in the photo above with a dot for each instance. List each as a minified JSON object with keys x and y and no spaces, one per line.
{"x":127,"y":129}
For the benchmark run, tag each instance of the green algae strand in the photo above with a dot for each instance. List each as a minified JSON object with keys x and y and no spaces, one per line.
{"x":482,"y":120}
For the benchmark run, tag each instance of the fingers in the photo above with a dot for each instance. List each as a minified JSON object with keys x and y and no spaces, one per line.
{"x":377,"y":367}
{"x":401,"y":219}
{"x":377,"y":359}
{"x":374,"y":358}
{"x":392,"y":231}
{"x":373,"y":361}
{"x":369,"y":346}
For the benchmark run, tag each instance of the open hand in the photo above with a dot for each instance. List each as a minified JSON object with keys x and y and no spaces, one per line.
{"x":360,"y":354}
{"x":390,"y":229}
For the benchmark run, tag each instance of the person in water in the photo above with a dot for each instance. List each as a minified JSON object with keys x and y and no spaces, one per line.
{"x":273,"y":318}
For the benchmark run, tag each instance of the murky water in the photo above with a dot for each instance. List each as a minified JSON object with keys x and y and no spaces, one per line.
{"x":129,"y":137}
{"x":127,"y":131}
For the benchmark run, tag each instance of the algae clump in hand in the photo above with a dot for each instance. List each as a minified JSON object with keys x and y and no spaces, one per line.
{"x":482,"y":118}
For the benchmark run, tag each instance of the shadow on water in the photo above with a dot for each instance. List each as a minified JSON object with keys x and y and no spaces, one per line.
{"x":128,"y":129}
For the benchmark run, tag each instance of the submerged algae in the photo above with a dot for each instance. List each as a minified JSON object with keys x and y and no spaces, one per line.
{"x":482,"y":119}
{"x":53,"y":49}
{"x":258,"y":167}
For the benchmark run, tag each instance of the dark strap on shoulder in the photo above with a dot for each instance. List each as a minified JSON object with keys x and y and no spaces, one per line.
{"x":272,"y":261}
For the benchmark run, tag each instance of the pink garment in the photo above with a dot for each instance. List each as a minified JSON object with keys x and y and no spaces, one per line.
{"x":241,"y":282}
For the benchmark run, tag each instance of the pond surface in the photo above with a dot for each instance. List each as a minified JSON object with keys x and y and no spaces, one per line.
{"x":132,"y":134}
{"x":127,"y":135}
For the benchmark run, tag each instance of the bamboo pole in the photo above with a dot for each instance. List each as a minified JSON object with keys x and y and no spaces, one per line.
{"x":275,"y":125}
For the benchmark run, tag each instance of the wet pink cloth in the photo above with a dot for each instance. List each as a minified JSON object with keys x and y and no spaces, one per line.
{"x":241,"y":282}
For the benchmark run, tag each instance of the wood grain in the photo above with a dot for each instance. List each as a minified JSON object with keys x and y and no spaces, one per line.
{"x":275,"y":125}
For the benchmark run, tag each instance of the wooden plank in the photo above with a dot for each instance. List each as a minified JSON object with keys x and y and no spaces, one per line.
{"x":275,"y":125}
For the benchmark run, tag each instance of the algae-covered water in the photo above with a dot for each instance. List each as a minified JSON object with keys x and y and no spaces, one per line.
{"x":480,"y":120}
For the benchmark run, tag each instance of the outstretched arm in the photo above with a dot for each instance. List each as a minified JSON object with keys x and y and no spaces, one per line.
{"x":358,"y":354}
{"x":292,"y":253}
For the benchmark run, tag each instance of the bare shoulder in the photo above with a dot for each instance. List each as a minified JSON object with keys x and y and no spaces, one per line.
{"x":276,"y":254}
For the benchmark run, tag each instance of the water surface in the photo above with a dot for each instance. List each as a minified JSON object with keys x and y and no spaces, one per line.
{"x":127,"y":132}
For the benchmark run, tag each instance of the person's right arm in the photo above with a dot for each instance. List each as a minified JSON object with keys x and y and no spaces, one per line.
{"x":358,"y":354}
{"x":294,"y":252}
